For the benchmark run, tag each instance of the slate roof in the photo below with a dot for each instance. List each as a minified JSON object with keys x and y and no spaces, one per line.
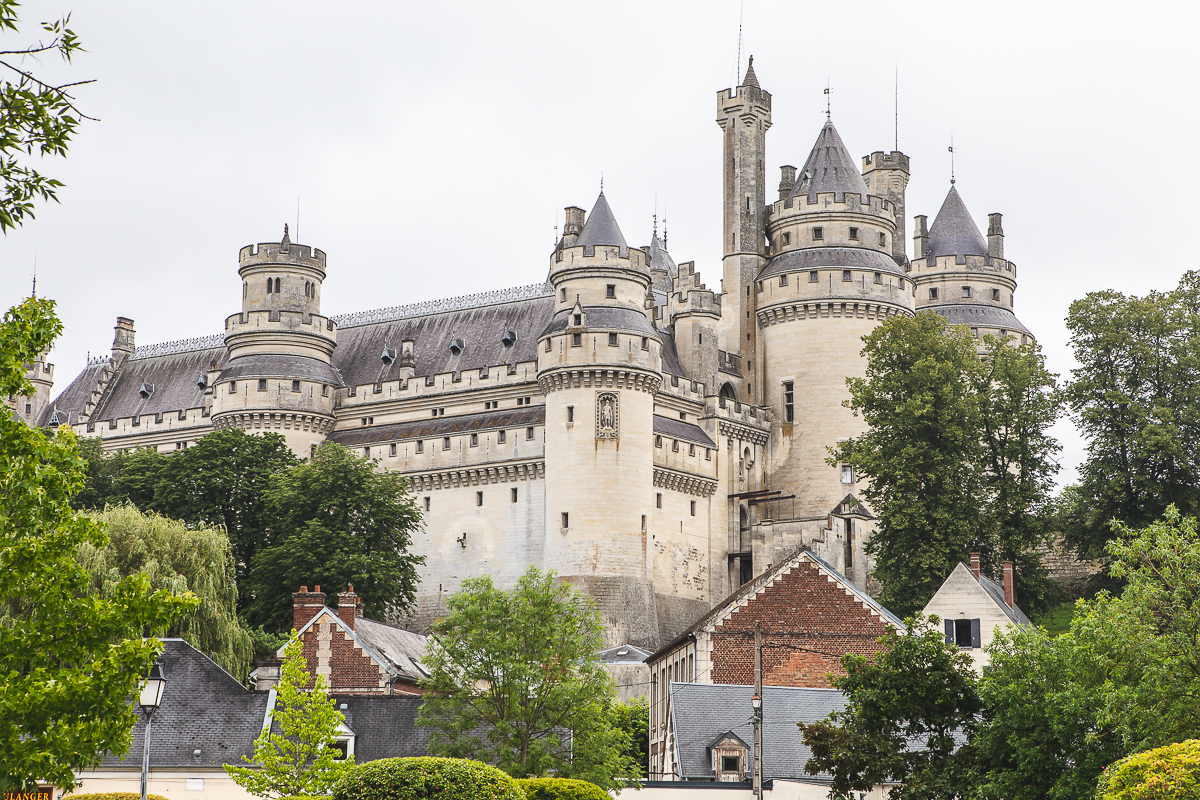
{"x":601,"y":228}
{"x":679,"y":429}
{"x":751,"y":79}
{"x":617,"y":319}
{"x":264,"y":365}
{"x":829,"y":168}
{"x":954,"y":232}
{"x":825,"y":257}
{"x":981,"y":315}
{"x":623,"y":654}
{"x":660,"y":259}
{"x":203,"y":708}
{"x":700,"y":713}
{"x":398,"y":650}
{"x":521,"y":417}
{"x":384,"y":727}
{"x":996,"y":592}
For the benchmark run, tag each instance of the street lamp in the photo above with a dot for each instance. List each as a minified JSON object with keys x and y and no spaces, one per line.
{"x":150,"y":695}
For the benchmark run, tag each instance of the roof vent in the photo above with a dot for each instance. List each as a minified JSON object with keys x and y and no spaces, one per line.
{"x":388,"y":356}
{"x":202,"y":381}
{"x":144,"y":391}
{"x":456,"y":346}
{"x":54,"y":421}
{"x":508,"y":338}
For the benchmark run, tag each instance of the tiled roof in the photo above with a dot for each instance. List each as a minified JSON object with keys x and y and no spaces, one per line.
{"x":981,"y":315}
{"x":601,"y":229}
{"x":829,"y":168}
{"x":679,"y":429}
{"x":954,"y":232}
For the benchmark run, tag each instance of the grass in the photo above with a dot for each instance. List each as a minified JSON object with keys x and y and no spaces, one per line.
{"x":1057,"y":619}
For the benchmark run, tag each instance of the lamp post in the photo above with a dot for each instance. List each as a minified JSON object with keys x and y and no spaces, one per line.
{"x":150,"y":695}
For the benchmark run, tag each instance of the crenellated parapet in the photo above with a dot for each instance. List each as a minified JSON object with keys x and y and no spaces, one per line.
{"x":256,"y":332}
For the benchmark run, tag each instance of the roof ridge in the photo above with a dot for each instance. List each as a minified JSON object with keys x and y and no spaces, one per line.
{"x":441,"y":306}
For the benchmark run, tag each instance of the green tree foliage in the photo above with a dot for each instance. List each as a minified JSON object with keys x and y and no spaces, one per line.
{"x":38,"y":118}
{"x":295,"y":755}
{"x":515,"y":681}
{"x":633,"y":718}
{"x":1135,"y":396}
{"x":70,"y":659}
{"x":427,"y":778}
{"x":335,"y":520}
{"x":956,"y":456}
{"x":561,"y":789}
{"x":903,"y":712}
{"x":178,"y":559}
{"x":1165,"y":773}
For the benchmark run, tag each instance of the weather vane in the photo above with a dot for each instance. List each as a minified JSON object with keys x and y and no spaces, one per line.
{"x":951,"y":159}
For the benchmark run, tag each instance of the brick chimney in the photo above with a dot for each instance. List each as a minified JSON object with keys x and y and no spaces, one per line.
{"x":1010,"y":593}
{"x":975,"y":565}
{"x":306,"y":605}
{"x":349,"y":606}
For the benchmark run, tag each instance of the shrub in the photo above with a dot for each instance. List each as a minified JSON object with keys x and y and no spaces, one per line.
{"x":561,"y":789}
{"x":114,"y":796}
{"x":306,"y":797}
{"x":426,"y":778}
{"x":1166,"y":773}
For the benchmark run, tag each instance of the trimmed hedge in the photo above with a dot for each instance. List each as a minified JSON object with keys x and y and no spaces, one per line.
{"x":427,"y":778}
{"x":561,"y":789}
{"x":301,"y":797}
{"x":113,"y":796}
{"x":1166,"y":773}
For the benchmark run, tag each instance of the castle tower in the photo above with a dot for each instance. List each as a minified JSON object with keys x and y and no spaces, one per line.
{"x":279,"y":376}
{"x":598,"y":366}
{"x":744,"y":115}
{"x":886,"y":175}
{"x":963,"y":277}
{"x":833,"y":276}
{"x":41,"y":374}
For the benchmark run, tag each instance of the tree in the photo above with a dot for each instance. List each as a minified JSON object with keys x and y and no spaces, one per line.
{"x":70,"y":660}
{"x":1165,"y":773}
{"x":295,"y":754}
{"x":515,"y":681}
{"x":1135,"y":396}
{"x":334,"y":520}
{"x":38,"y":118}
{"x":633,"y":717}
{"x":906,"y":714}
{"x":956,"y":454}
{"x":178,"y":559}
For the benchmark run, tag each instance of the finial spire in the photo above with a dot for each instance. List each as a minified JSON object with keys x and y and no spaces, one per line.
{"x":656,"y":226}
{"x":601,"y":182}
{"x":828,"y":90}
{"x":34,"y":293}
{"x":952,"y":159}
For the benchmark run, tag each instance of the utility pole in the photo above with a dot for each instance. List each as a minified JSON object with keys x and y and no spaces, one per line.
{"x":756,"y":702}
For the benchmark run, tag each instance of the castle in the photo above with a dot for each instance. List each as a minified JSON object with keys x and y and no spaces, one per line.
{"x":655,"y":442}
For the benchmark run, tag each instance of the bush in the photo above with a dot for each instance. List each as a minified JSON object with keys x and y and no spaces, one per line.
{"x":426,"y":778}
{"x":114,"y":796}
{"x":1167,"y":773}
{"x":561,"y":789}
{"x":306,"y":797}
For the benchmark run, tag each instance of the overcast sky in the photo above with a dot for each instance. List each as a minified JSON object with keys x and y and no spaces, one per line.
{"x":433,"y":145}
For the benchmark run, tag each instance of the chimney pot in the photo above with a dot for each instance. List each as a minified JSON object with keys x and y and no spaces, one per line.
{"x":975,"y":565}
{"x":1010,"y":594}
{"x":349,"y":606}
{"x":305,"y":606}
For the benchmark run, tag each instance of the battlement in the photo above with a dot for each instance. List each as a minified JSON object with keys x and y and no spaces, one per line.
{"x":601,"y":256}
{"x":689,"y":295}
{"x":882,"y":160}
{"x":968,"y":263}
{"x":741,"y":95}
{"x":828,"y":202}
{"x":270,"y":253}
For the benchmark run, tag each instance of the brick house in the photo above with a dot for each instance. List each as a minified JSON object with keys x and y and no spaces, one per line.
{"x":357,"y":656}
{"x":810,"y":616}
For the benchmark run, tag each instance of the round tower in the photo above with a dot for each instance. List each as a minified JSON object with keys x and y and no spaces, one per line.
{"x":598,"y":366}
{"x":963,"y":278}
{"x":279,"y":376}
{"x":834,"y":274}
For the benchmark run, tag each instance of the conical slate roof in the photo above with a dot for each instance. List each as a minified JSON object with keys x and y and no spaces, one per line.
{"x":660,"y":259}
{"x":751,"y":79}
{"x":601,"y":228}
{"x":829,"y":168}
{"x":953,"y":232}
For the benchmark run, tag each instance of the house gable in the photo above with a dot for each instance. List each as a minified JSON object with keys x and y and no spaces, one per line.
{"x":333,"y":650}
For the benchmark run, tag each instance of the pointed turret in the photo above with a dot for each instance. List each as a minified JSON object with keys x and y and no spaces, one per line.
{"x":829,"y":168}
{"x":751,"y":79}
{"x":601,"y":228}
{"x":954,"y":232}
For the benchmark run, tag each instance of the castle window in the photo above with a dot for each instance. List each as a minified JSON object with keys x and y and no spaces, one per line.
{"x":262,"y":384}
{"x":514,"y":495}
{"x":563,"y":295}
{"x":674,"y":445}
{"x":1003,"y":333}
{"x":445,"y":442}
{"x":28,"y":408}
{"x":529,"y":433}
{"x":612,"y":340}
{"x":787,"y":238}
{"x":645,"y":342}
{"x":683,"y":415}
{"x":879,"y":277}
{"x":692,"y":450}
{"x":693,"y":508}
{"x":474,"y":440}
{"x":975,"y":332}
{"x":232,"y":387}
{"x":479,"y":498}
{"x":428,"y":500}
{"x":966,"y":291}
{"x":610,"y":291}
{"x":643,"y":523}
{"x":789,"y":409}
{"x":420,"y":448}
{"x":433,"y":412}
{"x":579,"y":319}
{"x":847,"y":473}
{"x":783,"y":280}
{"x":854,"y":234}
{"x":392,"y":450}
{"x":566,"y":520}
{"x":847,"y":275}
{"x":245,"y":288}
{"x":570,"y":414}
{"x":501,"y":437}
{"x":270,"y":285}
{"x":658,"y":441}
{"x":295,"y":386}
{"x":902,"y":283}
{"x":707,"y":454}
{"x":520,"y":401}
{"x":658,"y":500}
{"x":882,"y":240}
{"x":367,"y":452}
{"x":277,"y":286}
{"x":576,"y":339}
{"x":996,"y":295}
{"x":324,"y":390}
{"x":818,"y":233}
{"x":814,"y":276}
{"x":933,"y":293}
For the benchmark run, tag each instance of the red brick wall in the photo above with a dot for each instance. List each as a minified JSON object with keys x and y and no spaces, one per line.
{"x":353,"y":672}
{"x":808,"y":623}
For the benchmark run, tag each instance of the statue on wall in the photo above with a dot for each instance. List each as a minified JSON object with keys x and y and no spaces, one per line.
{"x":607,"y":421}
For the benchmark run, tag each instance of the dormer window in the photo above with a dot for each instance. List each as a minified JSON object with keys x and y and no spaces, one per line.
{"x":578,"y":320}
{"x":456,"y":346}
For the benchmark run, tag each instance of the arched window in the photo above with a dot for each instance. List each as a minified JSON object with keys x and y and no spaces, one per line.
{"x":270,"y":286}
{"x":728,"y":392}
{"x":277,"y":286}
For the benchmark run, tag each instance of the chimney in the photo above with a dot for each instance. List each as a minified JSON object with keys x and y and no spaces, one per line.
{"x":787,"y":181}
{"x":267,"y":674}
{"x":573,"y":225}
{"x":349,"y":606}
{"x":995,"y":236}
{"x":921,"y":237}
{"x":306,"y":605}
{"x":975,"y":565}
{"x":1010,"y":593}
{"x":123,"y":340}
